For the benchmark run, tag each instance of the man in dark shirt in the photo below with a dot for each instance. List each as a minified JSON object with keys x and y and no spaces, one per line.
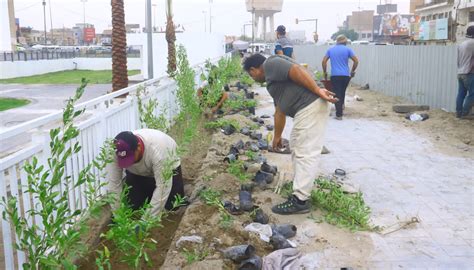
{"x":283,"y":45}
{"x":295,"y":94}
{"x":465,"y":98}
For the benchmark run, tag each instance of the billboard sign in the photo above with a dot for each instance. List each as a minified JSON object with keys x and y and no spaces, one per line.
{"x":393,"y":24}
{"x":430,"y":30}
{"x":89,"y":34}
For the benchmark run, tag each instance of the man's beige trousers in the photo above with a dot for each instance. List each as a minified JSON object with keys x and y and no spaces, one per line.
{"x":306,"y":142}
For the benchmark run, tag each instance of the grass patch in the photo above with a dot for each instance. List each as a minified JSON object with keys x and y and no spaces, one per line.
{"x":10,"y":103}
{"x":341,"y":209}
{"x":68,"y":77}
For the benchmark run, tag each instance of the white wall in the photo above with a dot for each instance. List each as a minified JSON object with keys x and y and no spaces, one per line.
{"x":199,"y":46}
{"x":15,"y":69}
{"x":5,"y":39}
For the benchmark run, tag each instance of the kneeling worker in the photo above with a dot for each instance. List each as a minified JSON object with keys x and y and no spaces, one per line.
{"x":145,"y":154}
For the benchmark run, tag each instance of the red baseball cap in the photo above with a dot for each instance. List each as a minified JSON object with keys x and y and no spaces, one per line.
{"x":125,"y":145}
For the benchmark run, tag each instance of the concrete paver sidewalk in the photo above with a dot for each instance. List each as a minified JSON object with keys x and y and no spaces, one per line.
{"x":401,"y":175}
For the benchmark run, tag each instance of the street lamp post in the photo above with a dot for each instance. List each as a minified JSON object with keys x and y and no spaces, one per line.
{"x":84,"y":21}
{"x":149,"y":39}
{"x":253,"y":23}
{"x":44,"y":15}
{"x":205,"y":21}
{"x":210,"y":16}
{"x":154,"y":17}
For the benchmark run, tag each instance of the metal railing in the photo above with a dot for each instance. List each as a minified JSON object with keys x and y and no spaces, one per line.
{"x":420,"y":74}
{"x":51,"y":55}
{"x":105,"y":117}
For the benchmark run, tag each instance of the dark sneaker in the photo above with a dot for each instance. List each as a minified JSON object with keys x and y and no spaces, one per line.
{"x":292,"y":206}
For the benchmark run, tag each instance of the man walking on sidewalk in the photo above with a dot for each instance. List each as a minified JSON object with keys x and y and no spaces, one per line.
{"x":465,"y":74}
{"x":297,"y":95}
{"x":340,"y":76}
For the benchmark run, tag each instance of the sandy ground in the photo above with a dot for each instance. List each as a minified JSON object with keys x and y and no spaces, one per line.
{"x":449,"y":134}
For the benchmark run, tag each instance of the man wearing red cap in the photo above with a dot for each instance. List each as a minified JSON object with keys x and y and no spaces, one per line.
{"x":145,"y":155}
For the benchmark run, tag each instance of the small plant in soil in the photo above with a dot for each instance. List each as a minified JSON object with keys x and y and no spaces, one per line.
{"x":345,"y":210}
{"x":213,"y":198}
{"x":254,"y":126}
{"x":240,"y":103}
{"x":102,"y":261}
{"x":222,"y":123}
{"x":287,"y":189}
{"x":130,"y":232}
{"x":179,"y":201}
{"x":251,"y":155}
{"x":237,"y":169}
{"x":194,"y":255}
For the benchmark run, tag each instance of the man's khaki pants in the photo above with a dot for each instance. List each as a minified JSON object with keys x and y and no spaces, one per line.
{"x":306,"y":142}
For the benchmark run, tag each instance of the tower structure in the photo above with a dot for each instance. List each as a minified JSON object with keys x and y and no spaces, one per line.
{"x":263,"y":10}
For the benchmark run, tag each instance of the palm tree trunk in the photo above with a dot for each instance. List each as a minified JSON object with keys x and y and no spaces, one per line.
{"x":119,"y":47}
{"x":170,"y":39}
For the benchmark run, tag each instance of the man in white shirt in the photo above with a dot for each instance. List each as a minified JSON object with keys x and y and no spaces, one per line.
{"x":148,"y":156}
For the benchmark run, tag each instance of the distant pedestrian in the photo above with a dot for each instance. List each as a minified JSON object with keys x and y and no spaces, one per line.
{"x":339,"y":56}
{"x":465,"y":97}
{"x":283,"y":45}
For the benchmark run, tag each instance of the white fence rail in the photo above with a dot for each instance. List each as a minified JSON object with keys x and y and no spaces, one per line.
{"x":421,"y":74}
{"x":104,"y":118}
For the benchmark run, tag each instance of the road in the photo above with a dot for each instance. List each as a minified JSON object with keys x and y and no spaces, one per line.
{"x":45,"y":99}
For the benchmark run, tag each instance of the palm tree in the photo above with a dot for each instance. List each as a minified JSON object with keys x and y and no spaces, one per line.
{"x":170,"y":38}
{"x":119,"y":47}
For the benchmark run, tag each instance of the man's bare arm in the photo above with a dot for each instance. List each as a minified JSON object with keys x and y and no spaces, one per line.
{"x":325,"y":67}
{"x":301,"y":77}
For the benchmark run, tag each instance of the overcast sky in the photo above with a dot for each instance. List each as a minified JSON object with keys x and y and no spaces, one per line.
{"x":228,"y":16}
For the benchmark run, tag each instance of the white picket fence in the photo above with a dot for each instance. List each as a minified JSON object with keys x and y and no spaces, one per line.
{"x":105,"y":117}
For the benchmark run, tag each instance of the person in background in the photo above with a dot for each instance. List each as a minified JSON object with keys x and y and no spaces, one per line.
{"x":295,"y":94}
{"x":145,"y":155}
{"x":465,"y":98}
{"x":283,"y":45}
{"x":203,"y":92}
{"x":339,"y":56}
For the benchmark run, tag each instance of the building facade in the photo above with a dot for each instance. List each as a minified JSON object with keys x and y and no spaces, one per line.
{"x":362,"y":22}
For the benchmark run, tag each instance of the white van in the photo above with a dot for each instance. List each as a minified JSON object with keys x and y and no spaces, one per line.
{"x":360,"y":42}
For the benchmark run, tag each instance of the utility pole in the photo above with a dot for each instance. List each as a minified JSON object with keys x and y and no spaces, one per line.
{"x":205,"y":21}
{"x":51,"y":21}
{"x":253,"y":23}
{"x":210,"y":16}
{"x":154,"y":17}
{"x":149,"y":37}
{"x":84,"y":21}
{"x":44,"y":16}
